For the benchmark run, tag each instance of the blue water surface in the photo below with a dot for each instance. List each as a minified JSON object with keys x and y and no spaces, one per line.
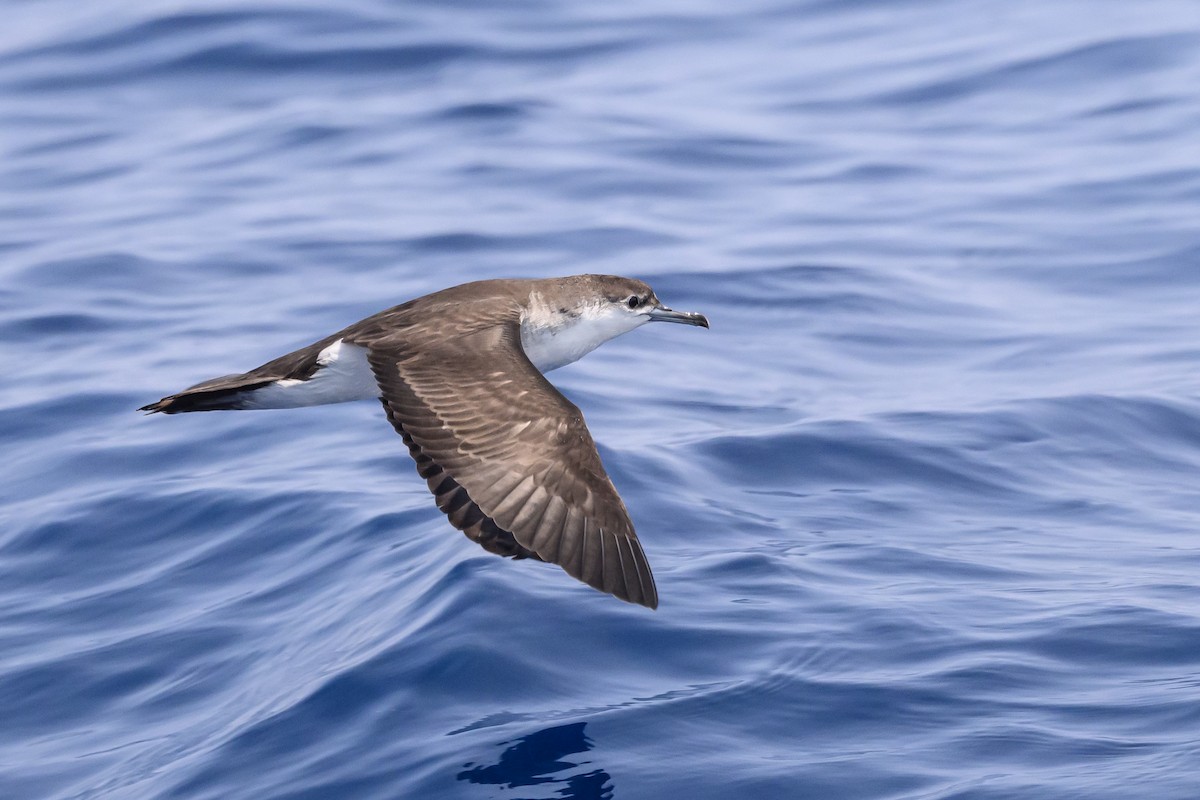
{"x":923,"y":505}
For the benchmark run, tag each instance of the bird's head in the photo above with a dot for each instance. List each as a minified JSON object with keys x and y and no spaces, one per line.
{"x":569,"y":317}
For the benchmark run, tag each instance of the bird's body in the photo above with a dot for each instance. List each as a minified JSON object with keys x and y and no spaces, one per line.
{"x":507,"y":457}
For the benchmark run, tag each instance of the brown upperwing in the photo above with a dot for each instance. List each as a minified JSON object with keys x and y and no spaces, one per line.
{"x":471,"y":405}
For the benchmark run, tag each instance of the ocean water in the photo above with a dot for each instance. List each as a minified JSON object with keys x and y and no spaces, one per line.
{"x":923,"y":504}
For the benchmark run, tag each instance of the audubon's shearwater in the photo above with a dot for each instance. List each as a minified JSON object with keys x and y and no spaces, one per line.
{"x":460,"y":374}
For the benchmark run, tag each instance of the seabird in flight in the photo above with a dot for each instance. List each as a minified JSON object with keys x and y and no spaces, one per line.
{"x":460,"y":374}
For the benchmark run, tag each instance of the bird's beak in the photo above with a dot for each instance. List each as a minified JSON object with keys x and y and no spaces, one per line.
{"x":664,"y":314}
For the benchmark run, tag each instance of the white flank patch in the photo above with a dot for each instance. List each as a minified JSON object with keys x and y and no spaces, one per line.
{"x":343,"y":374}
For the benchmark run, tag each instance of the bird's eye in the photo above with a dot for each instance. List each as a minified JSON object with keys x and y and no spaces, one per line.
{"x":634,"y":301}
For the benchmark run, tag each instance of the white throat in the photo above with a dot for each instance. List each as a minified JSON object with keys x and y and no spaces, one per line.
{"x":553,"y":339}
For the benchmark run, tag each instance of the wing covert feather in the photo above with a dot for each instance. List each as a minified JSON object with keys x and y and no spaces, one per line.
{"x":482,"y":421}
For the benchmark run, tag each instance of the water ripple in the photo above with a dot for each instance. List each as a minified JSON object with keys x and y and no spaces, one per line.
{"x":921,"y":504}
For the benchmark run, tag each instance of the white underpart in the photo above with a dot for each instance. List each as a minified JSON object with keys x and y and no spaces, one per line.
{"x":342,"y":375}
{"x":553,"y":339}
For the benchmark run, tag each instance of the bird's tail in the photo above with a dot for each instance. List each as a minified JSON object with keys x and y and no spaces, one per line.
{"x":219,"y":394}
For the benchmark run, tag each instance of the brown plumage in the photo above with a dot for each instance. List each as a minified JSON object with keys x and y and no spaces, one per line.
{"x":507,"y":457}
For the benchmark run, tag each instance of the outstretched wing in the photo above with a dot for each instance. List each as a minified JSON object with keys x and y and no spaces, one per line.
{"x":510,"y":459}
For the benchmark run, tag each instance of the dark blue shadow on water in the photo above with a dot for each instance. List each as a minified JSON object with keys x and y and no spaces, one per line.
{"x":536,"y":759}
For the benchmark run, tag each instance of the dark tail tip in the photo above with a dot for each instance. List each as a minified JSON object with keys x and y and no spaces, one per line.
{"x":158,"y":407}
{"x":219,"y":394}
{"x":191,"y":400}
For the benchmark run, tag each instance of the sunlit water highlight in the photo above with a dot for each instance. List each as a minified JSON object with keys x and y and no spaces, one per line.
{"x":922,"y":505}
